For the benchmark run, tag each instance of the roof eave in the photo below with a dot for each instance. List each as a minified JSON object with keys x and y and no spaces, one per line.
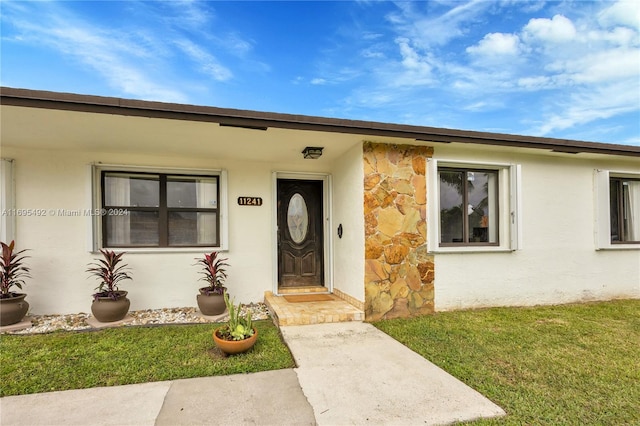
{"x":264,"y":120}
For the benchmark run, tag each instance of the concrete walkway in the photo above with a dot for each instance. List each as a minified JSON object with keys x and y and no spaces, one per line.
{"x":354,"y":374}
{"x":348,"y":374}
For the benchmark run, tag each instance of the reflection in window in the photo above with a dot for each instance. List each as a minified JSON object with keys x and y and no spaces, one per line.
{"x":192,"y":228}
{"x":192,"y":192}
{"x":468,"y":206}
{"x":158,"y":210}
{"x":625,"y":210}
{"x":127,"y":190}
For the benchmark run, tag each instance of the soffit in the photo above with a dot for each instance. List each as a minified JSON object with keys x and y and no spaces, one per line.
{"x":72,"y":130}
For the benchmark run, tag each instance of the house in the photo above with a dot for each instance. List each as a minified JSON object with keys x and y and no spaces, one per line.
{"x":397,"y":220}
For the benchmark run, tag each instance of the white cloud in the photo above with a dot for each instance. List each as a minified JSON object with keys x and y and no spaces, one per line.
{"x":207,"y":62}
{"x":426,"y":29}
{"x":536,"y":82}
{"x":625,"y":12}
{"x":318,"y":81}
{"x":586,"y":106}
{"x":559,"y":29}
{"x":410,"y":58}
{"x":414,"y":70}
{"x":483,"y":106}
{"x":496,"y":44}
{"x":605,"y":65}
{"x":138,"y":62}
{"x":112,"y":55}
{"x":237,"y":44}
{"x":371,"y":53}
{"x":189,"y":14}
{"x":561,"y":72}
{"x":619,"y":36}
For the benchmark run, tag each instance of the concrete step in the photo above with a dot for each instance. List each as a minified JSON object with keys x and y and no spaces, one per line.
{"x":303,"y":290}
{"x":309,"y":309}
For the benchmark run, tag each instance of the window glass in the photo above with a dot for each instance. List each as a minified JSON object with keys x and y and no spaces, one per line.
{"x":631,"y":210}
{"x":192,"y":192}
{"x":192,"y":228}
{"x":468,"y":206}
{"x":125,"y":190}
{"x":482,"y":206}
{"x":136,"y":228}
{"x":625,"y":210}
{"x":160,"y":210}
{"x":451,"y":213}
{"x":297,"y":218}
{"x":614,"y":210}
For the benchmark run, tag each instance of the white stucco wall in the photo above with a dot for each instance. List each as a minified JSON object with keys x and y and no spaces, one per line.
{"x":348,"y":210}
{"x":60,"y":245}
{"x":558,"y":261}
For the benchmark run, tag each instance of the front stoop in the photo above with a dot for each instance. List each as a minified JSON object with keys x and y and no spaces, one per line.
{"x":311,"y":312}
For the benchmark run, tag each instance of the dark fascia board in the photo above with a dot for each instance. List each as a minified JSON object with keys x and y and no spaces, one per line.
{"x":263,"y":120}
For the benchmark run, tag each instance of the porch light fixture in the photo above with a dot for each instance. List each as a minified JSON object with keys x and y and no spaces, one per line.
{"x":312,"y":152}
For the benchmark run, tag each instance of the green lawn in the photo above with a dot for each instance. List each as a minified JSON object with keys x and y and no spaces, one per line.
{"x":125,"y":355}
{"x":570,"y":364}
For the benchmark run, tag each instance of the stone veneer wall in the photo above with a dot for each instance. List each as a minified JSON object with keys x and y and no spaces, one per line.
{"x":398,"y":271}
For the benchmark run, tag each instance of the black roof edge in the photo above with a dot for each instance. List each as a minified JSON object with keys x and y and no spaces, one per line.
{"x":261,"y":120}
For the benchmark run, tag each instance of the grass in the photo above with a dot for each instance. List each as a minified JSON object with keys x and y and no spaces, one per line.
{"x":570,"y":364}
{"x":126,"y":355}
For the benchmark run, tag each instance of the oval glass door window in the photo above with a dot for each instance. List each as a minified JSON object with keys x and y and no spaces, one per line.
{"x":297,"y":218}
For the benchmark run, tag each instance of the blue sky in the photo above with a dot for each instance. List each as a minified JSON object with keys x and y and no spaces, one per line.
{"x":564,"y":69}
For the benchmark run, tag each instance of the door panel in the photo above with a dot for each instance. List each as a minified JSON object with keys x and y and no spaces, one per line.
{"x":300,"y":233}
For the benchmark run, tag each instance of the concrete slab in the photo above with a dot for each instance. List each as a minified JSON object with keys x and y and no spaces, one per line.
{"x":266,"y":398}
{"x":25,"y":323}
{"x":212,"y":318}
{"x":105,"y":406}
{"x":352,"y":373}
{"x":93,"y":322}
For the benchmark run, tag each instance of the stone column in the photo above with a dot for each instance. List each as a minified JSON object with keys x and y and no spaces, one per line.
{"x":398,"y":271}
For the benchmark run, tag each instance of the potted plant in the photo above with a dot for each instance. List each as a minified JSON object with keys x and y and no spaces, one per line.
{"x":109,"y":303}
{"x":238,"y":334}
{"x":13,"y":307}
{"x":211,"y":300}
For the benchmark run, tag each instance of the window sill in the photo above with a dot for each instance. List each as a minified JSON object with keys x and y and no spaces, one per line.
{"x":473,"y":249}
{"x":156,"y":250}
{"x":619,"y":247}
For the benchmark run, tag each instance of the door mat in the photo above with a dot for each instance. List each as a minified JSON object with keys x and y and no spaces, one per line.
{"x":297,"y":298}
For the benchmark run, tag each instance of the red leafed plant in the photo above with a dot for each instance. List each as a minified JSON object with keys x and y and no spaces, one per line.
{"x":213,"y":272}
{"x":12,"y":270}
{"x":109,"y":273}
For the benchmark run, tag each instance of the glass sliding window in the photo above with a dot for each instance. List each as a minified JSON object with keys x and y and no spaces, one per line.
{"x":468,"y":207}
{"x":158,"y":210}
{"x":625,"y":210}
{"x":451,"y":202}
{"x":131,"y":209}
{"x":192,"y":210}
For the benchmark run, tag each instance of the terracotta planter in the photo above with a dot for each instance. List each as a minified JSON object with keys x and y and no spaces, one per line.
{"x":232,"y":347}
{"x":212,"y":304}
{"x":106,"y":309}
{"x":13,"y":309}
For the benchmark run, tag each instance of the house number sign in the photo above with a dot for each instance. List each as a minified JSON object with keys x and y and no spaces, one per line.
{"x":249,"y":201}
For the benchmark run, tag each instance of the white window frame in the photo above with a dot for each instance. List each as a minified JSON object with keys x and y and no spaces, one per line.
{"x":95,"y":221}
{"x":602,"y":214}
{"x":7,"y":201}
{"x":509,"y":206}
